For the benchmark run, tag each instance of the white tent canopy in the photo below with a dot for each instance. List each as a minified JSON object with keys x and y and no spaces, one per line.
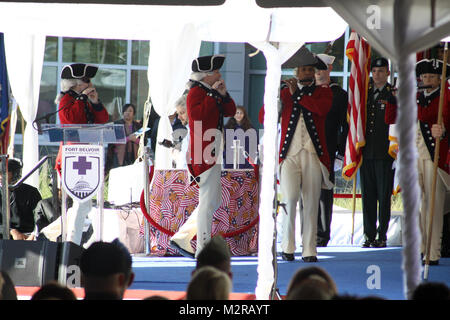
{"x":403,"y":29}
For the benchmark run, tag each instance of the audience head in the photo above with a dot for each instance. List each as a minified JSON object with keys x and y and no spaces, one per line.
{"x":156,"y":297}
{"x":216,"y":254}
{"x":14,"y":170}
{"x":431,"y":291}
{"x":240,"y":118}
{"x":128,"y":112}
{"x":308,"y":277}
{"x":7,"y":289}
{"x":209,"y":283}
{"x":106,"y":269}
{"x":53,"y":291}
{"x":180,"y":106}
{"x":312,"y":288}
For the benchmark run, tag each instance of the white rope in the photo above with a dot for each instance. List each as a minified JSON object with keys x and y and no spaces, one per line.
{"x":146,"y":116}
{"x":408,"y":176}
{"x":408,"y":154}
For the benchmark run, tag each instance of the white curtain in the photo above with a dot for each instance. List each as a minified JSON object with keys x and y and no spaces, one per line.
{"x":274,"y":59}
{"x":169,"y":67}
{"x":24,"y":59}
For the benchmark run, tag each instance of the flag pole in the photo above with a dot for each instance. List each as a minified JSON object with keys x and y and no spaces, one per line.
{"x":435,"y":162}
{"x":353,"y":207}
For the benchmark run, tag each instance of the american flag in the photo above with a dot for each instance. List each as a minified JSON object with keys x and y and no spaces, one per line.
{"x":4,"y":100}
{"x":358,"y":52}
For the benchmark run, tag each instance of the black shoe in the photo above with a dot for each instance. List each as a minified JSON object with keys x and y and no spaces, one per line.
{"x":378,"y":244}
{"x":431,"y":263}
{"x":322,"y":243}
{"x":367,"y":244}
{"x":310,"y":259}
{"x":287,"y":256}
{"x":183,"y":252}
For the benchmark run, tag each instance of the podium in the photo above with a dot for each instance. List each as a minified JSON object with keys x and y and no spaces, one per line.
{"x":82,"y":161}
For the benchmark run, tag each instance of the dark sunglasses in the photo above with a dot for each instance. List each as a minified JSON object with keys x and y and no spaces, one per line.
{"x":86,"y":80}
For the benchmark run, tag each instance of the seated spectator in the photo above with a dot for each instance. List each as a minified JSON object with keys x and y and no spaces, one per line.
{"x":7,"y":288}
{"x":313,"y":274}
{"x":180,"y":134}
{"x":156,"y":297}
{"x":23,"y":200}
{"x":312,"y":288}
{"x":216,"y":254}
{"x":106,"y":271}
{"x":209,"y":283}
{"x":124,"y":154}
{"x":47,"y":224}
{"x":53,"y":291}
{"x":240,"y":128}
{"x":431,"y":291}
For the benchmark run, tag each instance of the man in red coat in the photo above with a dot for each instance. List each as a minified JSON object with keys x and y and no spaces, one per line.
{"x":304,"y":162}
{"x":208,"y":102}
{"x":429,"y":72}
{"x":78,"y":103}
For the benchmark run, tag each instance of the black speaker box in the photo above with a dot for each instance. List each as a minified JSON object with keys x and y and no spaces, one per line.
{"x":34,"y":263}
{"x":29,"y":263}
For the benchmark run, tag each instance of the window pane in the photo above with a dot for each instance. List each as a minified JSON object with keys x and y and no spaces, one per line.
{"x":140,"y":52}
{"x":206,"y":48}
{"x":51,"y":49}
{"x":95,"y":51}
{"x":139,"y":91}
{"x":257,"y":62}
{"x":256,"y":96}
{"x":47,"y":93}
{"x":338,"y":80}
{"x":110,"y":85}
{"x":337,"y":50}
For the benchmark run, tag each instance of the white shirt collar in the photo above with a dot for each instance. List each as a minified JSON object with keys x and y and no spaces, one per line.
{"x":205,"y":84}
{"x":426,"y":94}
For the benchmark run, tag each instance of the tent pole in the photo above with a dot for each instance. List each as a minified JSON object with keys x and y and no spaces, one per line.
{"x":435,"y":163}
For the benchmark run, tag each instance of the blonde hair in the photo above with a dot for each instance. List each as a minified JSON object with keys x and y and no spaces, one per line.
{"x":312,"y":273}
{"x":181,"y":102}
{"x":209,"y":283}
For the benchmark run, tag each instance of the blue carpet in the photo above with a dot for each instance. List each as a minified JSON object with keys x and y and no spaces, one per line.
{"x":352,"y":268}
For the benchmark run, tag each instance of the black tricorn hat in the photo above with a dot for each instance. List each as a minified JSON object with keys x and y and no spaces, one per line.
{"x":208,"y":63}
{"x":78,"y":71}
{"x":304,"y":57}
{"x":430,"y":66}
{"x":379,"y":62}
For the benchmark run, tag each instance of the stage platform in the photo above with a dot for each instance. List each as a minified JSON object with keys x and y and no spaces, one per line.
{"x":350,"y":266}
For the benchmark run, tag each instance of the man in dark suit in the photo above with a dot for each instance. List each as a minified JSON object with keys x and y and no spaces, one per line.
{"x":376,"y":172}
{"x":336,"y":129}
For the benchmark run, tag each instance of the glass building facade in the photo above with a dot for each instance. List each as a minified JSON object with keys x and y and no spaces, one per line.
{"x":122,"y":75}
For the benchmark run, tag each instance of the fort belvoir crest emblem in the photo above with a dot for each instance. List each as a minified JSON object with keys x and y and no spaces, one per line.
{"x":81,"y":170}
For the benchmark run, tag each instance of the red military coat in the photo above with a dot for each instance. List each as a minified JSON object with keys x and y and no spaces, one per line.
{"x":205,"y":109}
{"x":427,"y":114}
{"x":314,"y":102}
{"x":73,"y":111}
